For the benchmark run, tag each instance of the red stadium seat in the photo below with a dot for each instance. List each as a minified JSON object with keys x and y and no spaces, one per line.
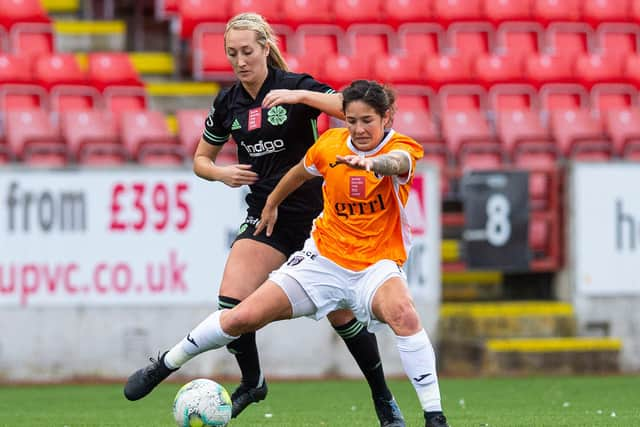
{"x":420,"y":39}
{"x":32,"y":39}
{"x":498,"y":11}
{"x":413,"y":118}
{"x":58,"y":68}
{"x":111,"y":69}
{"x":75,"y":98}
{"x":579,"y":134}
{"x":190,"y":127}
{"x":623,"y":127}
{"x":448,"y":11}
{"x":14,"y":69}
{"x":554,"y":96}
{"x":505,"y":97}
{"x":34,"y":138}
{"x":319,"y":40}
{"x":617,"y":39}
{"x":209,"y":58}
{"x":467,"y":132}
{"x":301,"y":12}
{"x":541,"y":69}
{"x":340,"y":70}
{"x":598,"y":11}
{"x":13,"y":12}
{"x":270,"y":9}
{"x":522,"y":131}
{"x":442,"y":70}
{"x":569,"y":39}
{"x":519,"y":39}
{"x":546,"y":11}
{"x":593,"y":68}
{"x":194,"y":12}
{"x":398,"y":12}
{"x":462,"y":97}
{"x":608,"y":96}
{"x":490,"y":69}
{"x":92,"y":138}
{"x":539,"y":236}
{"x":146,"y":136}
{"x":22,"y":97}
{"x":406,"y":69}
{"x":121,"y":99}
{"x":303,"y":64}
{"x":357,"y":12}
{"x":370,"y":40}
{"x":468,"y":39}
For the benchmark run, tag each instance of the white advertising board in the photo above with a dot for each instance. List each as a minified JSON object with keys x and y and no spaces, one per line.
{"x":139,"y":236}
{"x":605,"y":228}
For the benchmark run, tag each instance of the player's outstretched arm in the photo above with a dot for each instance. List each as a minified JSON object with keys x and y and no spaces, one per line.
{"x":293,"y":179}
{"x":205,"y":167}
{"x":330,"y":103}
{"x":394,"y":163}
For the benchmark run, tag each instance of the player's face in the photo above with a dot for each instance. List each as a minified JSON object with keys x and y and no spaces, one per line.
{"x":247,"y":57}
{"x":365,"y":125}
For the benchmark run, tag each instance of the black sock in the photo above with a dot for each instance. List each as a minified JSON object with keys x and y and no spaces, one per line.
{"x":244,"y":349}
{"x":364,"y":348}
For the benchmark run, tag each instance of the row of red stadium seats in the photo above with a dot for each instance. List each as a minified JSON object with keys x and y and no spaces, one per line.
{"x":456,"y":137}
{"x":414,"y":42}
{"x":100,"y":138}
{"x":396,"y":12}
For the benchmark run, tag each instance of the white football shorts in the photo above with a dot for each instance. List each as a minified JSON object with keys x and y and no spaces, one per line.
{"x":331,"y":287}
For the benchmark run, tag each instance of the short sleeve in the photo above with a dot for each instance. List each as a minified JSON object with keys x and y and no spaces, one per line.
{"x":214,"y":131}
{"x":413,"y":150}
{"x":310,"y":160}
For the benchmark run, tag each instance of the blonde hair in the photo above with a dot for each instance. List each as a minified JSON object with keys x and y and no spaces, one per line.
{"x":264,"y":36}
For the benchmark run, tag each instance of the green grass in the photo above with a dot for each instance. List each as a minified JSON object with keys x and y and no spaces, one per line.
{"x":537,"y":401}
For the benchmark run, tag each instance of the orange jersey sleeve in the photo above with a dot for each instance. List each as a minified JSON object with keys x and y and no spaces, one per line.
{"x":363,"y":218}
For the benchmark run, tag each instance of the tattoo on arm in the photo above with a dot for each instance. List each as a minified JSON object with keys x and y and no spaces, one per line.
{"x":391,"y":164}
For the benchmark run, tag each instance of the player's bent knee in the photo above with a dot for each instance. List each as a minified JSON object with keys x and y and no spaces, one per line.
{"x":404,"y":320}
{"x":241,"y":320}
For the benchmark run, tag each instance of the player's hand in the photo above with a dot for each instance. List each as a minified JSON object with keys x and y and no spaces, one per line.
{"x":355,"y":162}
{"x":267,"y":221}
{"x":281,"y":96}
{"x":238,"y":175}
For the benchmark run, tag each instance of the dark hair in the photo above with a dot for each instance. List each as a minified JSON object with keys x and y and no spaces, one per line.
{"x":380,"y":98}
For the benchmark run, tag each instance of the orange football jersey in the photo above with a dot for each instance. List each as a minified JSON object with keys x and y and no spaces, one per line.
{"x":363,"y":219}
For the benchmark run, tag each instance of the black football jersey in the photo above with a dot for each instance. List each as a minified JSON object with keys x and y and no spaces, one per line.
{"x":271,"y":140}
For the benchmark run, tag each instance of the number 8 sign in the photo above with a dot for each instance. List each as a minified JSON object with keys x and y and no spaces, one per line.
{"x":496,"y":213}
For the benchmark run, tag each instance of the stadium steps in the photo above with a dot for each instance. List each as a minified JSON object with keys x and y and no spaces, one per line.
{"x":461,"y":285}
{"x":59,"y":7}
{"x":171,"y":96}
{"x":524,"y":337}
{"x":89,"y":36}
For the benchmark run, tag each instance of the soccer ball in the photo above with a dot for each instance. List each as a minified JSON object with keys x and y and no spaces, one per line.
{"x":202,"y":403}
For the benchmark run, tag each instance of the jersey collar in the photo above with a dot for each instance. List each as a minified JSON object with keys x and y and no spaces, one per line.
{"x":384,"y":142}
{"x":246,"y":99}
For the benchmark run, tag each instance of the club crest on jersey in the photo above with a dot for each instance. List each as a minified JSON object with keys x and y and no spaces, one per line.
{"x":357,"y":187}
{"x":255,"y":118}
{"x":277,"y":115}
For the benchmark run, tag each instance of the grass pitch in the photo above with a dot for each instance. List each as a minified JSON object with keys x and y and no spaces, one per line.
{"x":537,"y":401}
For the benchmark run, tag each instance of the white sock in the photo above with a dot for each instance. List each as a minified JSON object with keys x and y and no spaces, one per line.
{"x":419,"y":362}
{"x":208,"y":335}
